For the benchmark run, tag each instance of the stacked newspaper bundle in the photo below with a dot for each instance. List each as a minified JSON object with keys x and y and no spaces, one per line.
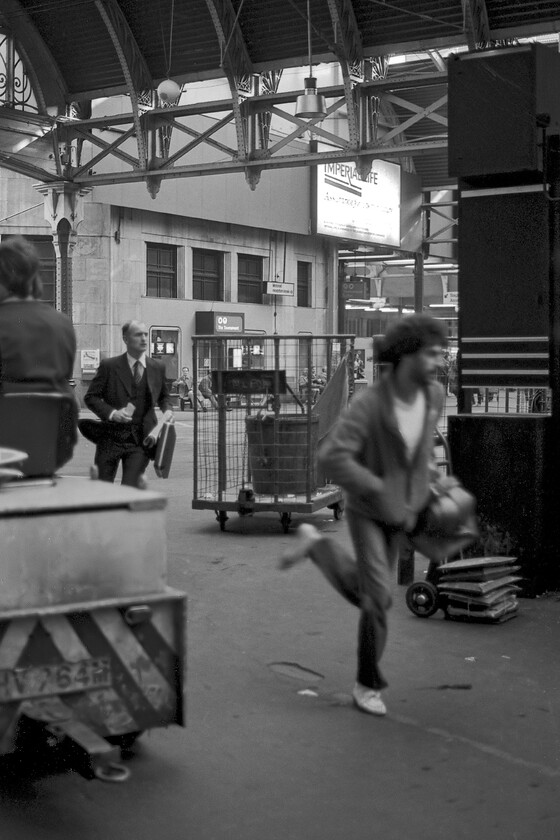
{"x":480,"y":588}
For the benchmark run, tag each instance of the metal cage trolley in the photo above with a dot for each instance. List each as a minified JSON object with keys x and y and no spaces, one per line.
{"x":266,"y":402}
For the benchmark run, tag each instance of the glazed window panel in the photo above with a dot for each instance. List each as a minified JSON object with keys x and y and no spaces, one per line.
{"x":249,"y":279}
{"x":161,"y":271}
{"x":208,"y":275}
{"x":303,"y":284}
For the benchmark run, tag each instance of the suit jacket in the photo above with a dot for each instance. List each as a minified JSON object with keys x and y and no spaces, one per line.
{"x":111,"y":389}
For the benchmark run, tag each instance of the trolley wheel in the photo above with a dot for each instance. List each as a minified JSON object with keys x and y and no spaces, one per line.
{"x":125,"y":741}
{"x":422,"y":599}
{"x":285,"y":519}
{"x":222,"y":518}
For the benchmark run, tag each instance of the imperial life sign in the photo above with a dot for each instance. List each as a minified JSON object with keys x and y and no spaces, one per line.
{"x":368,"y":210}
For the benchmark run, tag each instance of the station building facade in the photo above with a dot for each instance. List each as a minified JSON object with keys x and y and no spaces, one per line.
{"x":203,"y":245}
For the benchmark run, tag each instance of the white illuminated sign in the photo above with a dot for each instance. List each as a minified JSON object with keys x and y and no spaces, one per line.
{"x":365,"y":210}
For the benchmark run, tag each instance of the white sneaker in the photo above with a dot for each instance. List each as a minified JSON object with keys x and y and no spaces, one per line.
{"x":306,"y":535}
{"x":368,"y":700}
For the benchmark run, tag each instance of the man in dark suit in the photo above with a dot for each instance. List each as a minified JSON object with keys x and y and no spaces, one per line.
{"x":124,"y":393}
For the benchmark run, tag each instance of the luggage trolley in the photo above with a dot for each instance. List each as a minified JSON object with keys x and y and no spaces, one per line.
{"x":255,"y":438}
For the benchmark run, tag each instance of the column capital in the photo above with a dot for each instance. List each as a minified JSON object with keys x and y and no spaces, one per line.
{"x":63,"y":200}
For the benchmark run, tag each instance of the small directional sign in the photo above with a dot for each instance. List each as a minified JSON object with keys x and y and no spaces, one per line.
{"x":274,"y":288}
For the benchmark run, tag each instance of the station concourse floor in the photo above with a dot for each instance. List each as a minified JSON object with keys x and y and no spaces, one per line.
{"x":274,"y":749}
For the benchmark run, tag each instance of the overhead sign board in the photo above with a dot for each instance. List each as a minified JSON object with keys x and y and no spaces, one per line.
{"x":353,"y":289}
{"x":350,"y":208}
{"x":274,"y":288}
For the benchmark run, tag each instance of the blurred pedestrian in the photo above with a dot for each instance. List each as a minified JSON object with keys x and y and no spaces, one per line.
{"x":381,"y":453}
{"x":37,"y":343}
{"x":206,"y":389}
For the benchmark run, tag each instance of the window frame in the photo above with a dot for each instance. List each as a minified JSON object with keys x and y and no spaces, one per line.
{"x":161,"y":271}
{"x":303,"y":284}
{"x":247,"y":282}
{"x":218,"y":282}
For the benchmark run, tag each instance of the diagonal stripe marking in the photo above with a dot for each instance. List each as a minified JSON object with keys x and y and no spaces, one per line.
{"x":154,"y":687}
{"x":65,"y":638}
{"x":125,"y":686}
{"x":14,"y":641}
{"x":163,"y":620}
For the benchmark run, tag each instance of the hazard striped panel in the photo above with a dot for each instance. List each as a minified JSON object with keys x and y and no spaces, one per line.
{"x":119,"y":666}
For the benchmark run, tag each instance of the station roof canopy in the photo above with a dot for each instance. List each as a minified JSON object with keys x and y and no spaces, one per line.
{"x":76,"y":51}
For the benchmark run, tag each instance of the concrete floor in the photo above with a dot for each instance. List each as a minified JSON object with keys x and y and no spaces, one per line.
{"x":273,"y":748}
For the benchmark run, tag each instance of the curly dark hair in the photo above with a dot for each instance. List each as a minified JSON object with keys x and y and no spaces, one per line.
{"x":409,"y":335}
{"x":19,"y":267}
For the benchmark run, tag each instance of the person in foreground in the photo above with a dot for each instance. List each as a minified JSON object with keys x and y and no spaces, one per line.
{"x":37,"y":343}
{"x":123,"y":393}
{"x":381,"y":453}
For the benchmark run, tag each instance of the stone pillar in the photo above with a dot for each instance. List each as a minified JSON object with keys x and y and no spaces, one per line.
{"x":64,"y":212}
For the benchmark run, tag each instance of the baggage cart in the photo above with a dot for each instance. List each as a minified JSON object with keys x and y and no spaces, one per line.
{"x":273,"y":399}
{"x":92,"y":641}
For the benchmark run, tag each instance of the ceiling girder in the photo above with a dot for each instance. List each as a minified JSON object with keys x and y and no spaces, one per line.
{"x":235,"y":62}
{"x":348,"y":49}
{"x":124,"y":128}
{"x":136,"y":67}
{"x":280,"y":162}
{"x":117,"y":28}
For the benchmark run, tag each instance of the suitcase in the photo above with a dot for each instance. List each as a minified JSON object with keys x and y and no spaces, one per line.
{"x":164,"y":450}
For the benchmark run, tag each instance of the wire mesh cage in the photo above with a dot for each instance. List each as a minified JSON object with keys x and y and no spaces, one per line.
{"x":263,"y":405}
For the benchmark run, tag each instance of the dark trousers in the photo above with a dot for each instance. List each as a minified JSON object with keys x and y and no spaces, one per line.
{"x":110,"y":453}
{"x":365,"y":581}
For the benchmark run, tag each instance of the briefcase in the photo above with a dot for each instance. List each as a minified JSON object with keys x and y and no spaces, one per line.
{"x":164,"y":450}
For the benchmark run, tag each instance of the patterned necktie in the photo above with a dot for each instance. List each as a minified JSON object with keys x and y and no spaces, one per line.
{"x":137,"y":368}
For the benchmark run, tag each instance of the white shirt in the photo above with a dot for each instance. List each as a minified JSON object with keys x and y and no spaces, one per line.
{"x":410,"y":420}
{"x":131,"y":362}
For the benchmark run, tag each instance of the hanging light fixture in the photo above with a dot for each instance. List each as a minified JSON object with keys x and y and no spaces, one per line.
{"x":310,"y":104}
{"x":168,"y":90}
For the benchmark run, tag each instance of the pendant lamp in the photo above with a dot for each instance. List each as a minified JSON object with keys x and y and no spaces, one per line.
{"x":310,"y":104}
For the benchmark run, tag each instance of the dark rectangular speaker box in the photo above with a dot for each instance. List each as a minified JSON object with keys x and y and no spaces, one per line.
{"x":505,"y":461}
{"x":497,"y":101}
{"x":503,"y":263}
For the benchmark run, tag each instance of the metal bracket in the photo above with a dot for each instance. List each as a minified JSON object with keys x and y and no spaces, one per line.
{"x":90,"y":754}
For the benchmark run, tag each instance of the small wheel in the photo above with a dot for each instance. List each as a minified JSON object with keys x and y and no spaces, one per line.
{"x":285,"y":519}
{"x":339,"y":510}
{"x":222,"y":518}
{"x":422,"y":599}
{"x":112,"y":772}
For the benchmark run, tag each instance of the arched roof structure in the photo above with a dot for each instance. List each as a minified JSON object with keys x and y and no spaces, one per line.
{"x":59,"y":55}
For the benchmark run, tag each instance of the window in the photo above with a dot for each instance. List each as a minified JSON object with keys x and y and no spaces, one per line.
{"x":249,"y":279}
{"x":303,"y":284}
{"x":208,"y":275}
{"x":161,"y":275}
